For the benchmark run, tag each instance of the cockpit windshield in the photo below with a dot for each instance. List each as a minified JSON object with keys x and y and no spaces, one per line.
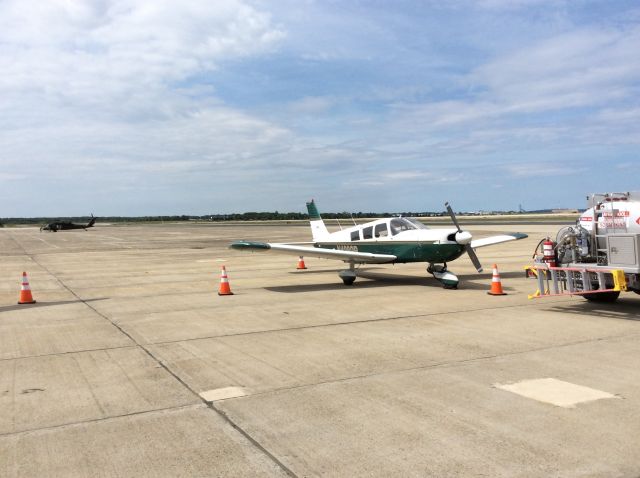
{"x":416,"y":223}
{"x":400,"y":224}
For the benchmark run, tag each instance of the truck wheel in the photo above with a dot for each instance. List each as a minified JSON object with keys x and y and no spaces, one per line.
{"x":602,"y":296}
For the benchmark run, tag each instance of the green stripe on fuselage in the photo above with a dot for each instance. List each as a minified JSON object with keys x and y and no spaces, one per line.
{"x":404,"y":251}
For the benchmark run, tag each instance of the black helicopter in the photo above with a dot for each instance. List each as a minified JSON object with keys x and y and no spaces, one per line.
{"x":66,"y":225}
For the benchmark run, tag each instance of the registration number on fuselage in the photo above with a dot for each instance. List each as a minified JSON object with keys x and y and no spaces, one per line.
{"x":342,"y":247}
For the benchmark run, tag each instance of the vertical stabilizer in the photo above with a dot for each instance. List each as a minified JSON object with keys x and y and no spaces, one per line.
{"x":318,"y":229}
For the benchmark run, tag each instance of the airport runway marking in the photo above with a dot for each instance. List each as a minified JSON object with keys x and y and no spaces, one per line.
{"x":47,"y":242}
{"x":223,"y":394}
{"x":435,"y":366}
{"x":117,"y":239}
{"x":556,"y":392}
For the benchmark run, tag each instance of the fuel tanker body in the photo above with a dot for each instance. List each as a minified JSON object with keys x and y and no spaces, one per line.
{"x":618,"y":213}
{"x":606,"y":236}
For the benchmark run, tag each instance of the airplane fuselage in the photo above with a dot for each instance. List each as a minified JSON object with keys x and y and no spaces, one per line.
{"x":413,"y":251}
{"x":408,"y":241}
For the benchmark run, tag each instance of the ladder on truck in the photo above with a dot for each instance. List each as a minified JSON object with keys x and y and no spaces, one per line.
{"x":564,"y":281}
{"x":604,"y":219}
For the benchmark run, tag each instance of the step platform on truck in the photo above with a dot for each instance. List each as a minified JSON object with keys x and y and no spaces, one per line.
{"x":589,"y":280}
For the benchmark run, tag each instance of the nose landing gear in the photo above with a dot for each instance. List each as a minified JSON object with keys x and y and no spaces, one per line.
{"x":448,"y":279}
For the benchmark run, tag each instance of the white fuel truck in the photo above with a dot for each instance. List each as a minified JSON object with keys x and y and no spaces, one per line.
{"x":599,"y":256}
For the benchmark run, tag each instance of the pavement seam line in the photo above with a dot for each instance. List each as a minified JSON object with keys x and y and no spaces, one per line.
{"x":450,"y":364}
{"x":224,"y":416}
{"x":352,"y":322}
{"x":97,"y":420}
{"x":25,"y":357}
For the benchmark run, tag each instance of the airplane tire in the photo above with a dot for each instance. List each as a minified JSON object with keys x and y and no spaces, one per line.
{"x":602,"y":296}
{"x":349,"y":281}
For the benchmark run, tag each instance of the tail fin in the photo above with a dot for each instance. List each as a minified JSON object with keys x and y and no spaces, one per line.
{"x":91,"y":222}
{"x":318,"y":229}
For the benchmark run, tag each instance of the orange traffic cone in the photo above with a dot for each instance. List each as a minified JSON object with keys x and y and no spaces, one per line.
{"x":25,"y":291}
{"x":496,"y":285}
{"x":225,"y":288}
{"x":301,"y":264}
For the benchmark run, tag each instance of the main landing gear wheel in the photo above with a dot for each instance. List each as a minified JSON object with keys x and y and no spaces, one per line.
{"x":348,"y":276}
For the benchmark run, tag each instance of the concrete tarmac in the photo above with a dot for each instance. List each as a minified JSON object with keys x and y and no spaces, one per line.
{"x":130,"y":364}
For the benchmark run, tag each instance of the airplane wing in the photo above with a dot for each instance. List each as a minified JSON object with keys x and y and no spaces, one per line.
{"x":347,"y":256}
{"x":491,"y":240}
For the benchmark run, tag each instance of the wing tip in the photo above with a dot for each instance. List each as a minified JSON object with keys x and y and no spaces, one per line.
{"x":249,"y":245}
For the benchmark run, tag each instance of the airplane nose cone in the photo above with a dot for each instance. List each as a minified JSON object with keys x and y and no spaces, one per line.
{"x":463,"y":237}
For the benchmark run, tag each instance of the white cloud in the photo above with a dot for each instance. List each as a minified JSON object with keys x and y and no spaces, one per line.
{"x":580,"y":87}
{"x":438,"y":175}
{"x":619,"y":115}
{"x":543,"y":169}
{"x":119,"y":88}
{"x":158,"y":96}
{"x":311,"y":105}
{"x":516,"y":4}
{"x":581,"y":68}
{"x":120,"y":57}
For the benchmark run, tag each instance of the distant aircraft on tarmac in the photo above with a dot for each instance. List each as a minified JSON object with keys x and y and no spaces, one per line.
{"x":387,"y":241}
{"x":66,"y":225}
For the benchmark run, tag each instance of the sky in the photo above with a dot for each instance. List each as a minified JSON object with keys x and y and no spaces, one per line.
{"x":128,"y":108}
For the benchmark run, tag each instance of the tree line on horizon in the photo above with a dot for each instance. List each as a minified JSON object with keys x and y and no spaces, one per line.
{"x":245,"y":216}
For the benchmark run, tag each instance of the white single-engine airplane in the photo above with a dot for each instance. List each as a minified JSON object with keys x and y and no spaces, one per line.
{"x":387,"y":241}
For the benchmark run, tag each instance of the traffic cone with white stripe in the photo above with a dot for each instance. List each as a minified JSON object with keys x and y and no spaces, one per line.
{"x":25,"y":291}
{"x":301,"y":264}
{"x":225,"y":288}
{"x":496,"y":284}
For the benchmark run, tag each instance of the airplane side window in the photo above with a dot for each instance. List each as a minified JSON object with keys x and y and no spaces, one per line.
{"x":367,"y":233}
{"x":355,"y":235}
{"x":381,"y":230}
{"x":396,"y":227}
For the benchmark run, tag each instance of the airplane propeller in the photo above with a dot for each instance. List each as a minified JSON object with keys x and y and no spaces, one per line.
{"x":464,"y":238}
